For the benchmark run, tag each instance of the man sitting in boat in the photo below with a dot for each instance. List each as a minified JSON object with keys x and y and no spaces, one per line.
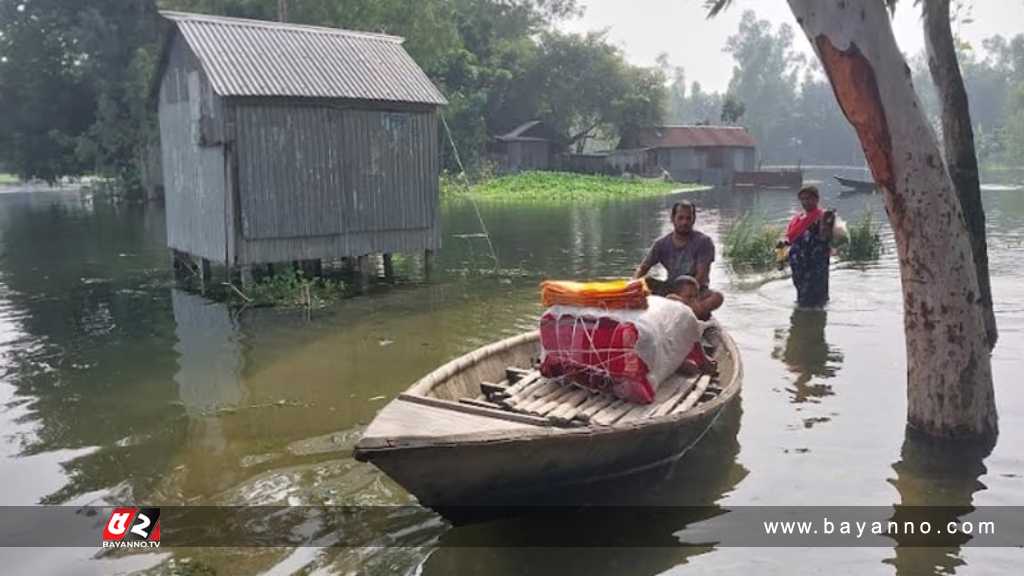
{"x":683,"y":252}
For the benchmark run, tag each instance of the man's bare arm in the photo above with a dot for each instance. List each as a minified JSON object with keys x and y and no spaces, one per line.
{"x":703,"y":273}
{"x":642,"y":270}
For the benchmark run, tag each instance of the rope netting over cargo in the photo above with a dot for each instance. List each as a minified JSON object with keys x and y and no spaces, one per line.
{"x":629,"y":352}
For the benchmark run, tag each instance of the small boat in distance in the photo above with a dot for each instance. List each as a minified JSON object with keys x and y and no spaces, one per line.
{"x":855,"y":186}
{"x":486,"y":429}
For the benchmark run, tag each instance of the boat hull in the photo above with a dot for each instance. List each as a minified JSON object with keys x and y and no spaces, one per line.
{"x":855,"y":186}
{"x":452,"y":459}
{"x":512,"y":471}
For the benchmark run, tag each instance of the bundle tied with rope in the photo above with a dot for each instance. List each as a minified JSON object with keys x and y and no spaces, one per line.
{"x":612,"y":336}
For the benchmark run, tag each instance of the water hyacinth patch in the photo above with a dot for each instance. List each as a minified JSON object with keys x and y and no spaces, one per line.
{"x":561,"y":187}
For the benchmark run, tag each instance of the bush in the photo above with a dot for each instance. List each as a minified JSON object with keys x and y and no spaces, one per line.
{"x":751,"y":242}
{"x":292,"y":288}
{"x":865,"y":244}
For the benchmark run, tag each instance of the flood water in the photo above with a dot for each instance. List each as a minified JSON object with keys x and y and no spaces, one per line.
{"x":117,"y":387}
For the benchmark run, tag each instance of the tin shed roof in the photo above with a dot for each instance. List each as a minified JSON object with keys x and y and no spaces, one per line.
{"x":259,"y":58}
{"x":694,"y":137}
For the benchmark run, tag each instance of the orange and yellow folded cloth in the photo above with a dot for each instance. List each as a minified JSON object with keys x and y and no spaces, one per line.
{"x":610,"y":294}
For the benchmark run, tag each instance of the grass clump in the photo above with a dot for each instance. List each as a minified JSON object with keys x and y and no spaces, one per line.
{"x":865,"y":243}
{"x":6,"y":179}
{"x":292,"y":288}
{"x":561,"y":187}
{"x":751,"y":243}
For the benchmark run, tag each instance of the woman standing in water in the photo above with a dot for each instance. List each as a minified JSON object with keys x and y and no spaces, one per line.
{"x":809,"y":235}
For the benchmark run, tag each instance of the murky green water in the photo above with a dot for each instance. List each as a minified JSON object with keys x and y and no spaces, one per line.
{"x":117,"y":387}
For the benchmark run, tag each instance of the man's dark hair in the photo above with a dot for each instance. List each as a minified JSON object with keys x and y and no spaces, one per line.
{"x":687,"y":205}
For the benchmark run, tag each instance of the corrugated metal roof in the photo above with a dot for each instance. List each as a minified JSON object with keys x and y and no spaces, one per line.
{"x":694,"y":137}
{"x":259,"y":58}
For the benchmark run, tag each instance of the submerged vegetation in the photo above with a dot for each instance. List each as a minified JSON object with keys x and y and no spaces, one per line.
{"x":560,"y":187}
{"x":750,"y":243}
{"x":290,"y":288}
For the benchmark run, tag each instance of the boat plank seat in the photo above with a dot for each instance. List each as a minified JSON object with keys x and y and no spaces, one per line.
{"x":600,"y":402}
{"x":574,"y":400}
{"x":693,"y":397}
{"x":670,"y":393}
{"x":562,"y":397}
{"x":527,"y":397}
{"x":491,"y":391}
{"x":523,"y":392}
{"x":399,"y":421}
{"x":563,"y":404}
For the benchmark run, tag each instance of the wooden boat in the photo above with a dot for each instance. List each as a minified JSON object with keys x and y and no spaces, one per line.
{"x":486,"y":428}
{"x":855,"y":186}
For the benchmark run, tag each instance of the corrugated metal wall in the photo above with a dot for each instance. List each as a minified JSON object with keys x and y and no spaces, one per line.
{"x":193,"y":174}
{"x":317,"y":181}
{"x":313,"y":181}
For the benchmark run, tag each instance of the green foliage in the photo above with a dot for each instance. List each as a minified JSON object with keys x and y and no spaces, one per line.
{"x":291,"y":288}
{"x":698,"y":108}
{"x":1015,"y":126}
{"x":46,"y":97}
{"x":8,"y":179}
{"x":560,"y":187}
{"x":865,"y":243}
{"x":750,"y":243}
{"x":765,"y":79}
{"x":732,"y":110}
{"x":78,"y":74}
{"x":587,"y":89}
{"x":993,"y":77}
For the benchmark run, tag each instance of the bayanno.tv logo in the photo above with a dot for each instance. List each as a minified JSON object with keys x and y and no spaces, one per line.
{"x":132,"y":528}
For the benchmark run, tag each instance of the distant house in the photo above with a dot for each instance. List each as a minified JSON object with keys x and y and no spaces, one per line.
{"x":282,"y":143}
{"x":530,"y":146}
{"x":706,"y":154}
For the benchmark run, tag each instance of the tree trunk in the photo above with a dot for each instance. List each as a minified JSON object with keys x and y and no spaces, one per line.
{"x":958,"y":142}
{"x":949,"y":372}
{"x":282,"y":10}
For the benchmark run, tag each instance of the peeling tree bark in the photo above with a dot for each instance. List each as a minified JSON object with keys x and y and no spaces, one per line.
{"x":949,"y":373}
{"x":958,"y":142}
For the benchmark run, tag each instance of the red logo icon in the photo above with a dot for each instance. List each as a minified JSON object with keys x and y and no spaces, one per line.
{"x":131,"y":527}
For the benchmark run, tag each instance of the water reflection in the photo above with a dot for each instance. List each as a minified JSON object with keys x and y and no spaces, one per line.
{"x":700,"y":479}
{"x":932,"y":473}
{"x":208,"y":379}
{"x":115,"y":386}
{"x":806,"y":354}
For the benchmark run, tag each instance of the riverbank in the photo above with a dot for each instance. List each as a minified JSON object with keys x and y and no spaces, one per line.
{"x":562,"y":187}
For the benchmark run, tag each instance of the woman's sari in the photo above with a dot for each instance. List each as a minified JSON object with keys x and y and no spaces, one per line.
{"x":808,"y":259}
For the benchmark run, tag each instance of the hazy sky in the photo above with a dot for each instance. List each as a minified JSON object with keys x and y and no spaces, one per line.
{"x":645,"y":28}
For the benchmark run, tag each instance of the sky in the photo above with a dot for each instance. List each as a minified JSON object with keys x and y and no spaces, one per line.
{"x":645,"y":28}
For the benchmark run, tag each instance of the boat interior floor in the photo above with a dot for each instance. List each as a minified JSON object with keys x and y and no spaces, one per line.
{"x":560,"y":403}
